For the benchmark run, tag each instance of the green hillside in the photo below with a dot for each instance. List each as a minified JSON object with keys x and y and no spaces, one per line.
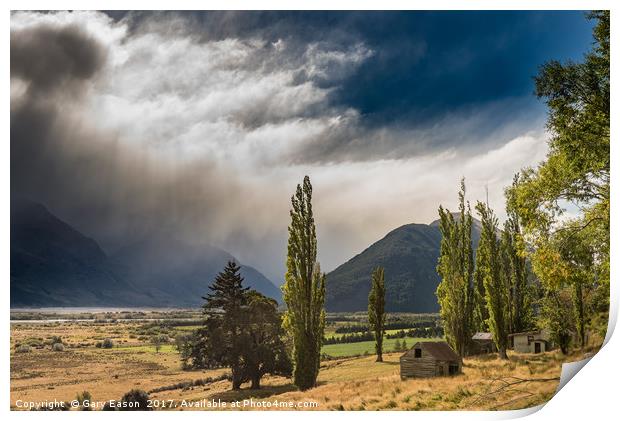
{"x":409,"y":255}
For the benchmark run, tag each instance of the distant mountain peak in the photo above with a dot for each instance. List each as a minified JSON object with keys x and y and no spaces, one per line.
{"x":53,"y":264}
{"x":409,"y":256}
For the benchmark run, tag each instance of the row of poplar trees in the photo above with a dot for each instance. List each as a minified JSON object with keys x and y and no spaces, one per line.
{"x":544,"y":268}
{"x":488,"y":290}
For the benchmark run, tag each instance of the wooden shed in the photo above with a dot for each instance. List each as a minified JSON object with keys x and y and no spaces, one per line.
{"x":533,"y":342}
{"x":482,"y":343}
{"x":430,"y":359}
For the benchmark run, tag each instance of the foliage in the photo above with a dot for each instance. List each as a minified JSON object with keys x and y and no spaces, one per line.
{"x":304,"y":290}
{"x":241,"y":330}
{"x":397,"y":346}
{"x":159,"y":340}
{"x":558,"y":317}
{"x":488,"y":267}
{"x":84,"y":399}
{"x":23,"y":349}
{"x":264,"y":351}
{"x":376,"y":309}
{"x":456,"y":267}
{"x":135,"y":400}
{"x":572,"y":253}
{"x":107,"y":343}
{"x":516,"y":270}
{"x":220,"y":342}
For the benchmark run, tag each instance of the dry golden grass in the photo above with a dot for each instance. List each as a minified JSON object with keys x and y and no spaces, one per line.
{"x":346,"y":384}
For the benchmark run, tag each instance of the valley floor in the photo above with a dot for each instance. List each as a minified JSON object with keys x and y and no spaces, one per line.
{"x":356,"y":383}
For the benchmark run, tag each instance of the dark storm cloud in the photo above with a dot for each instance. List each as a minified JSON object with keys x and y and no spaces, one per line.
{"x":49,"y":58}
{"x":425,"y":63}
{"x":104,"y":188}
{"x":202,"y":123}
{"x":434,"y":80}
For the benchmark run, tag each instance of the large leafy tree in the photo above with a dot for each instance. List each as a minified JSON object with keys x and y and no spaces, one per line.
{"x":573,"y":253}
{"x":376,"y":309}
{"x":304,"y":290}
{"x":489,"y":267}
{"x":456,"y":268}
{"x":264,"y":350}
{"x":557,"y":316}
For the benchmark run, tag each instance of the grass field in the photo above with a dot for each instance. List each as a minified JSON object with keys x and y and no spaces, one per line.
{"x":353,"y":383}
{"x":367,"y":347}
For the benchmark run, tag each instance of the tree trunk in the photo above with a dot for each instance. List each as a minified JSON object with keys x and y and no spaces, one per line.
{"x":502,"y":354}
{"x":255,"y":383}
{"x":236,"y":378}
{"x":379,"y":358}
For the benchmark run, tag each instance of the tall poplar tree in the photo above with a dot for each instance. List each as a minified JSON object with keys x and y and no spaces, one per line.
{"x":455,"y":292}
{"x":516,"y":268}
{"x":376,"y":309}
{"x":488,"y":259}
{"x":481,"y":314}
{"x":304,"y":290}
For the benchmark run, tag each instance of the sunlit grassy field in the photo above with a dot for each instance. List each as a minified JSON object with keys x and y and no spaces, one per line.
{"x":367,"y":347}
{"x":351,"y":383}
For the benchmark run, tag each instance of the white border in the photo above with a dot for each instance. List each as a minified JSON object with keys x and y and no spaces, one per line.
{"x":591,"y":394}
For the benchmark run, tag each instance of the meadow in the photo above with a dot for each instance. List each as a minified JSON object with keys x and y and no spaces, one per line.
{"x":349,"y":383}
{"x":366,"y":347}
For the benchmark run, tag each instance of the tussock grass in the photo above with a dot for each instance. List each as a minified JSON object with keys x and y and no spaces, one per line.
{"x":353,"y":383}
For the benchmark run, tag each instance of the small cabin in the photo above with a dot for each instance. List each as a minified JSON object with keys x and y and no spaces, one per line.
{"x":430,"y":359}
{"x":482,"y":343}
{"x":533,"y":342}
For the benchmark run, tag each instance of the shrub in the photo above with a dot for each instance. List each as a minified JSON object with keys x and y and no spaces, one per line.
{"x":35,"y":342}
{"x":22,"y":349}
{"x":135,"y":400}
{"x":107,"y":343}
{"x":58,"y":347}
{"x":85,"y":399}
{"x":108,"y":407}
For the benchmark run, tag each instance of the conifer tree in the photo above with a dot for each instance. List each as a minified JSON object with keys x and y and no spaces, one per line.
{"x":397,"y":346}
{"x":376,"y":309}
{"x":221,"y":339}
{"x":304,"y":290}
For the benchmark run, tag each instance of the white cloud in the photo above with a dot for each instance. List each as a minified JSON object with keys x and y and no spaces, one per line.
{"x":249,"y":108}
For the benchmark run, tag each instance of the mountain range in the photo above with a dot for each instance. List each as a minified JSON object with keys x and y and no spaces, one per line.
{"x":55,"y":265}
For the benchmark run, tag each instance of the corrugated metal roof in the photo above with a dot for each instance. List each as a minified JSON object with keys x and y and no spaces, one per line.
{"x":439,"y":350}
{"x":531,"y":332}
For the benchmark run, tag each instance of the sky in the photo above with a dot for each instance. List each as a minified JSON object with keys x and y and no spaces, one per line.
{"x":201,"y":124}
